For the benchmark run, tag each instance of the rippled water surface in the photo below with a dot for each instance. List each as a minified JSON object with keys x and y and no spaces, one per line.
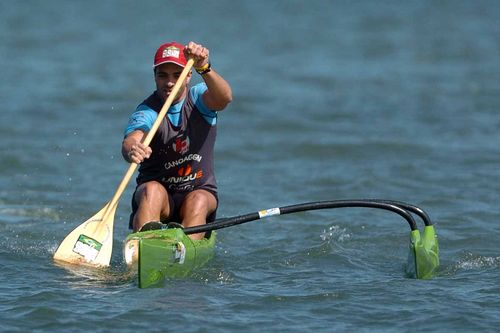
{"x":332,"y":100}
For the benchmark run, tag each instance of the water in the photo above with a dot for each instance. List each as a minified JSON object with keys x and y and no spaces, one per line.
{"x":332,"y":100}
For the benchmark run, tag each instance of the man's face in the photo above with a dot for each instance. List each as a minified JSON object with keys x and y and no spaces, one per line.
{"x":166,"y":76}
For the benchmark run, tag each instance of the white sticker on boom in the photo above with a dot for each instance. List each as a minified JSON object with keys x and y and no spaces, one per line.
{"x":269,"y":212}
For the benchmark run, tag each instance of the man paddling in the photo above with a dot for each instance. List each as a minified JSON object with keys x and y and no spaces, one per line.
{"x":176,"y":180}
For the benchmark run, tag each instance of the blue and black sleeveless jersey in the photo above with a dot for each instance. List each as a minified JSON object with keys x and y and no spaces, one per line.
{"x":183,"y":146}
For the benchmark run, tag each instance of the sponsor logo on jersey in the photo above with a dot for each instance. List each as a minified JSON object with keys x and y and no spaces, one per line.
{"x":181,"y":144}
{"x":187,"y":158}
{"x":185,"y":174}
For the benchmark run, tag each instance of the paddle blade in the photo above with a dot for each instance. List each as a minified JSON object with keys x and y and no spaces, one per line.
{"x":91,"y":243}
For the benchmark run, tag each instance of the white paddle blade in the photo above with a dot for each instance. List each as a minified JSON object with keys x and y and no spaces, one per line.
{"x":91,"y":243}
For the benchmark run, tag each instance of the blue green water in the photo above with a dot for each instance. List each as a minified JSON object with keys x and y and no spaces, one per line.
{"x":332,"y":100}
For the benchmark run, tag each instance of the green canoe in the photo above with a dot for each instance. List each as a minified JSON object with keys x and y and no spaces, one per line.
{"x":158,"y":254}
{"x":166,"y":253}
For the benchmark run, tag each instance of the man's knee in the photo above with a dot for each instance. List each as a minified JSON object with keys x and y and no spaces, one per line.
{"x":200,"y":201}
{"x":150,"y":191}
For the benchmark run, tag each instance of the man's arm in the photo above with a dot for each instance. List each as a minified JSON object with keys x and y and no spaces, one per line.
{"x":218,"y":94}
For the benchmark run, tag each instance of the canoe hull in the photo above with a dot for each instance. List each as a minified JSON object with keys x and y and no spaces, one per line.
{"x":168,"y":253}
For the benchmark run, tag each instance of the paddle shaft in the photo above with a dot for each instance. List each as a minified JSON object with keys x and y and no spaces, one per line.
{"x":399,"y":208}
{"x":149,"y":137}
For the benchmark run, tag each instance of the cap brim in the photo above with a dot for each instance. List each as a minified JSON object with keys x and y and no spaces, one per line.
{"x":169,"y":61}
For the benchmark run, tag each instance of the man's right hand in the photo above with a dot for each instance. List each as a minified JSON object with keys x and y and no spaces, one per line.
{"x":133,"y":150}
{"x":138,"y":153}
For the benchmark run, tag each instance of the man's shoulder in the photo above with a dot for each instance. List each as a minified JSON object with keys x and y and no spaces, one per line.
{"x":152,"y":102}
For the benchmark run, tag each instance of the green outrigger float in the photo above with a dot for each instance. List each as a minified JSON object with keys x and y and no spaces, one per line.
{"x":170,"y":253}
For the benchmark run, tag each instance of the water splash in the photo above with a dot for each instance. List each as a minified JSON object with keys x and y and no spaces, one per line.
{"x":474,"y":262}
{"x":335,"y":233}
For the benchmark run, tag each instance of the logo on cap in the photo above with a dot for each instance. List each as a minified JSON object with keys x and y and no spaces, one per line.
{"x":171,"y":51}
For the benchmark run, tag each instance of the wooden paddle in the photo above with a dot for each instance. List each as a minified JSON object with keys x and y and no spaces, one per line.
{"x":91,"y":243}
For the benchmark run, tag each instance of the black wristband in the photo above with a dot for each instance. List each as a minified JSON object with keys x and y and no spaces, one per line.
{"x":204,"y":70}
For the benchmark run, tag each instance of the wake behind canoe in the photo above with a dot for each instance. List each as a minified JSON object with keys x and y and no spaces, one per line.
{"x":166,"y":253}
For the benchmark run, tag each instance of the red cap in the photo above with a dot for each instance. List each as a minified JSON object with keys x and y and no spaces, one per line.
{"x":170,"y":52}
